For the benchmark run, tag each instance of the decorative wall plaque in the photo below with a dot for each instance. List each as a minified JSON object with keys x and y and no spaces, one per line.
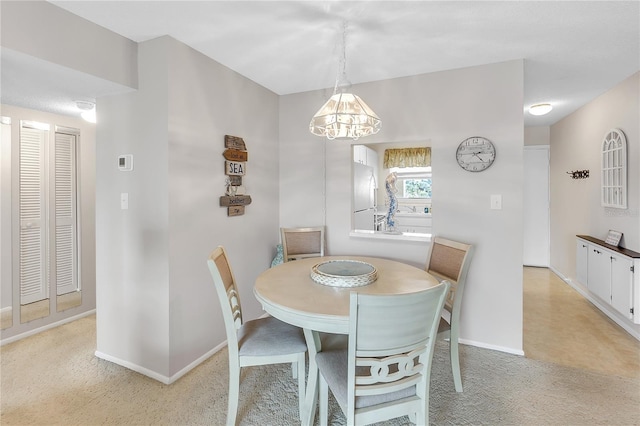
{"x":235,"y":167}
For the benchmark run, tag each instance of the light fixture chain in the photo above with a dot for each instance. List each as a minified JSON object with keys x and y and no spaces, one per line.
{"x":344,"y":115}
{"x":344,"y":50}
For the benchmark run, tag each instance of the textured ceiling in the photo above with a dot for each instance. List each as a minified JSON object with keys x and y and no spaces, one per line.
{"x":573,"y":51}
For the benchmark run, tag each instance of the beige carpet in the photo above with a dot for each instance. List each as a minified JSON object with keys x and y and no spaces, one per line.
{"x":54,"y":379}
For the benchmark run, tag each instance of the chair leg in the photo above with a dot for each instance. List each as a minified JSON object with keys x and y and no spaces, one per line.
{"x":234,"y":393}
{"x":301,"y":385}
{"x":455,"y":363}
{"x":294,"y":370}
{"x":324,"y":401}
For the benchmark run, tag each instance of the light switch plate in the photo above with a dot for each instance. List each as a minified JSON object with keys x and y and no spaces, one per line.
{"x":496,"y":202}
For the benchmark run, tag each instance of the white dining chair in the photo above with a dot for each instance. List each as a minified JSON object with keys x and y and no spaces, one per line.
{"x":449,"y":260}
{"x":299,"y":243}
{"x":385,"y":371}
{"x":257,"y":342}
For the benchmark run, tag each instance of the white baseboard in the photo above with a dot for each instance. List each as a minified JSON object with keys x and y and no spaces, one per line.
{"x":607,"y":310}
{"x":492,"y":347}
{"x":167,"y":380}
{"x":45,"y":327}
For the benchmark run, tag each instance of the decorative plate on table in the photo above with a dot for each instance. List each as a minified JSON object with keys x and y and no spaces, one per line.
{"x":344,"y":273}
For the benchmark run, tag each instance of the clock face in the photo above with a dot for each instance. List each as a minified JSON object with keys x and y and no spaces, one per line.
{"x":476,"y":154}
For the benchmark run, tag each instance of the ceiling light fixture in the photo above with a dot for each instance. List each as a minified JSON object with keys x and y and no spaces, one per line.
{"x":540,"y":109}
{"x":344,"y":115}
{"x":88,"y":110}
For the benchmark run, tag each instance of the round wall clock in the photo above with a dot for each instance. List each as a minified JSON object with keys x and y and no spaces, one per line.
{"x":475,"y":154}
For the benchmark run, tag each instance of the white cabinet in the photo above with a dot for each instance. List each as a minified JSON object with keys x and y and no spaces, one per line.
{"x":599,"y":272}
{"x":360,"y":154}
{"x":413,"y":223}
{"x":364,"y":155}
{"x":622,"y":285}
{"x":582,"y":253}
{"x":611,"y":274}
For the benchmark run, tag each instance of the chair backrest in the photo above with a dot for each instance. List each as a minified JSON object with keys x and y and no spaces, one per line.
{"x":449,"y":260}
{"x":298,"y":243}
{"x":391,"y":341}
{"x":228,"y":295}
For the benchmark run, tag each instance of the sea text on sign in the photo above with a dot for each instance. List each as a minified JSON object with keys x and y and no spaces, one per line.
{"x":235,"y":169}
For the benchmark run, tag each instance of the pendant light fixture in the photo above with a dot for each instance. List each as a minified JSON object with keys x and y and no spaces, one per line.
{"x":344,"y":115}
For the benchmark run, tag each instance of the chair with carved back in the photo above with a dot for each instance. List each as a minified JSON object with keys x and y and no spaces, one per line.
{"x":385,"y":371}
{"x":299,"y":243}
{"x":449,"y":260}
{"x":257,"y":342}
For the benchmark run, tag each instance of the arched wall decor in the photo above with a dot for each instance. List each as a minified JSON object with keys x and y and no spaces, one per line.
{"x":614,"y":170}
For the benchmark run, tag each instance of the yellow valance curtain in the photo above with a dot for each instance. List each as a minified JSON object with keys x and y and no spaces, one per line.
{"x":407,"y":157}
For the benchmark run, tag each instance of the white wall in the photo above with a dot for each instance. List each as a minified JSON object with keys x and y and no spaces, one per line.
{"x":207,"y":101}
{"x":444,"y":108}
{"x":537,"y":135}
{"x":132,"y":245}
{"x":157,"y":309}
{"x":45,"y":31}
{"x":576,"y":144}
{"x":86,"y":177}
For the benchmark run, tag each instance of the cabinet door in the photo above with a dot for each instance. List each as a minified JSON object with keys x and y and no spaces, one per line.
{"x":621,"y":284}
{"x":599,"y":267}
{"x":360,"y":154}
{"x":582,"y":253}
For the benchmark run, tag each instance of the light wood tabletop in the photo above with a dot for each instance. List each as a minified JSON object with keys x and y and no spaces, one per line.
{"x":288,"y":293}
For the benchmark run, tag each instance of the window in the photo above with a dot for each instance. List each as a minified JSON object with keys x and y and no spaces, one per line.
{"x":416,"y":188}
{"x":413,"y":182}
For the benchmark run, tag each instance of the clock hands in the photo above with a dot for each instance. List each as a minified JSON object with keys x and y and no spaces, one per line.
{"x":476,"y":154}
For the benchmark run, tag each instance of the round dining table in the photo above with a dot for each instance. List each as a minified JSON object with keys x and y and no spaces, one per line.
{"x":290,"y":293}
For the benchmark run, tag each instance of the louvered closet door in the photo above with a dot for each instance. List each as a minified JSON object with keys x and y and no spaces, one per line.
{"x":64,"y":210}
{"x":33,"y":260}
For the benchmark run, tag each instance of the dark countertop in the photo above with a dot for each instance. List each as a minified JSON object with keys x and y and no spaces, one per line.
{"x":620,"y":250}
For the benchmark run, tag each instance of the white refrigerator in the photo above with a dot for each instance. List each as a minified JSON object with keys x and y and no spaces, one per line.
{"x":364,"y":206}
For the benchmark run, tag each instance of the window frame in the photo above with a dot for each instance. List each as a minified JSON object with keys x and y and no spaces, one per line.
{"x":404,"y":174}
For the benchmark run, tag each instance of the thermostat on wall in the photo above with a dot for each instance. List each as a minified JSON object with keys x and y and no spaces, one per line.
{"x":125,"y":163}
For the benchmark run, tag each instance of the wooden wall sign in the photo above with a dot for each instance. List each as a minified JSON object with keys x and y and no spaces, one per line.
{"x":234,"y":142}
{"x":238,"y":200}
{"x":235,"y":155}
{"x":235,"y":211}
{"x":235,"y":167}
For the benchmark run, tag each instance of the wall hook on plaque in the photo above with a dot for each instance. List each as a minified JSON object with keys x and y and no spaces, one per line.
{"x":579,"y":174}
